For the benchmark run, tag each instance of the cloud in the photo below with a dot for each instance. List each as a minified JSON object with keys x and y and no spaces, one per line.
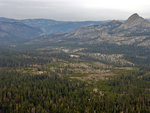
{"x":73,"y":9}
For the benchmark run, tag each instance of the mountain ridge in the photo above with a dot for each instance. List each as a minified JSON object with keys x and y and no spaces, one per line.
{"x":135,"y":19}
{"x":136,"y":32}
{"x":14,"y":32}
{"x":48,"y":26}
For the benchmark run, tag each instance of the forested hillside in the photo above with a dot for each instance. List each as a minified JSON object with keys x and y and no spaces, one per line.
{"x":33,"y":82}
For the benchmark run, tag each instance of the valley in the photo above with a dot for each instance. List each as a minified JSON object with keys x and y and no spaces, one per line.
{"x":102,"y":68}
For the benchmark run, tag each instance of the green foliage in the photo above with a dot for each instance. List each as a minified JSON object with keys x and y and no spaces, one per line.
{"x":23,"y":91}
{"x":26,"y":93}
{"x":79,"y":74}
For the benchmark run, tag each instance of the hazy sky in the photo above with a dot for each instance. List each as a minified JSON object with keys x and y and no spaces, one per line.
{"x":74,"y":9}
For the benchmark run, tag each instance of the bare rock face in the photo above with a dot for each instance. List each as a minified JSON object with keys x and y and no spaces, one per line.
{"x":135,"y":21}
{"x":134,"y":26}
{"x":94,"y":32}
{"x":134,"y":31}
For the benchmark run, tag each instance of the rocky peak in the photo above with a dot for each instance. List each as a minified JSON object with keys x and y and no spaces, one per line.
{"x":134,"y":17}
{"x":134,"y":21}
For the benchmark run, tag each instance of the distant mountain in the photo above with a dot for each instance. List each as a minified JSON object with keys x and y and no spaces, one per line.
{"x":3,"y":19}
{"x":135,"y":21}
{"x":49,"y":26}
{"x":135,"y":25}
{"x":134,"y":31}
{"x":15,"y":31}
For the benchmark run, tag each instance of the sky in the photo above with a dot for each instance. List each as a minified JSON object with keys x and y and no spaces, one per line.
{"x":74,"y":10}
